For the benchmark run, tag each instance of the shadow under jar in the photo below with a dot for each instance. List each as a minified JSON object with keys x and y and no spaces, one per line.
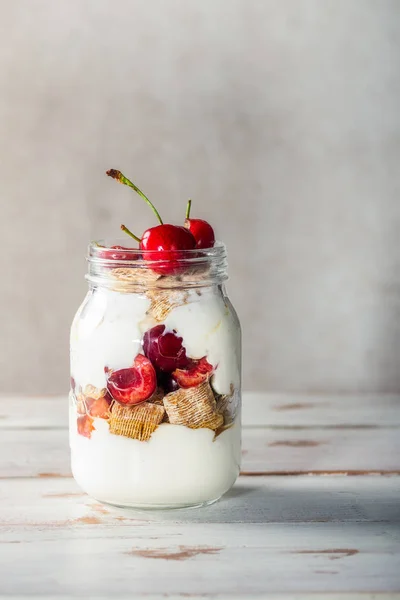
{"x":155,"y":379}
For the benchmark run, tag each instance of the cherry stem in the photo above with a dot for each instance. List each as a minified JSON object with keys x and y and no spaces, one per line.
{"x":115,"y":174}
{"x":126,"y":230}
{"x":188,"y":207}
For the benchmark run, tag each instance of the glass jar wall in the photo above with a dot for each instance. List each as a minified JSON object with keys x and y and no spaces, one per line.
{"x":155,"y":380}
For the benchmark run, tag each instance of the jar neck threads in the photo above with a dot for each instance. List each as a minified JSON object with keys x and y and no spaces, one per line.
{"x":113,"y":266}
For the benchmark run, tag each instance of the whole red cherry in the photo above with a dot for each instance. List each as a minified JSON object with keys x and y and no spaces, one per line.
{"x":165,"y":349}
{"x":164,"y":244}
{"x":202,"y":231}
{"x":164,"y":241}
{"x":133,"y":385}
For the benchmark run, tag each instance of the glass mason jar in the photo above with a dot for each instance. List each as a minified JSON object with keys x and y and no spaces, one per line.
{"x":155,"y":379}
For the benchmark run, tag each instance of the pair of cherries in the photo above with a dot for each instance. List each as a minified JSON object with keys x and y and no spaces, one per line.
{"x":164,"y":241}
{"x":164,"y":360}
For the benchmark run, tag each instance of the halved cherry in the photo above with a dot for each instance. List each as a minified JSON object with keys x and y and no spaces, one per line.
{"x":99,"y":408}
{"x":165,"y":349}
{"x":135,"y":384}
{"x":85,"y":425}
{"x":197,"y":372}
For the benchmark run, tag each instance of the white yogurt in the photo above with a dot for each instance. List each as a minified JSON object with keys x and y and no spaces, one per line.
{"x":109,"y":326}
{"x":178,"y":466}
{"x":209,"y":328}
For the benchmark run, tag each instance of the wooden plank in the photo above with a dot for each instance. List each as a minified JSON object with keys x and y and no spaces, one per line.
{"x":337,"y":536}
{"x":320,"y":451}
{"x":258,"y":596}
{"x":54,"y":543}
{"x":321,"y":410}
{"x":272,"y":410}
{"x":32,"y":452}
{"x":88,"y":560}
{"x":266,"y":596}
{"x":50,"y":502}
{"x":38,"y":412}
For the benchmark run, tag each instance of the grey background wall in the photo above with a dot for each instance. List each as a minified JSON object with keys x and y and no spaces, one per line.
{"x":280,"y":118}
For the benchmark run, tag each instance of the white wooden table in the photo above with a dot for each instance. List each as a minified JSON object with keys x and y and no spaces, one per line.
{"x":315,"y":511}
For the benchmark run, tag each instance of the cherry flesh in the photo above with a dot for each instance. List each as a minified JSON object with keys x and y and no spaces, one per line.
{"x":85,"y":426}
{"x":197,"y":372}
{"x":99,"y":408}
{"x":134,"y":384}
{"x":165,"y":349}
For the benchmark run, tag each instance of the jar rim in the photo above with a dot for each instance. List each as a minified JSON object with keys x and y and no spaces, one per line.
{"x":97,"y":248}
{"x":173,"y":268}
